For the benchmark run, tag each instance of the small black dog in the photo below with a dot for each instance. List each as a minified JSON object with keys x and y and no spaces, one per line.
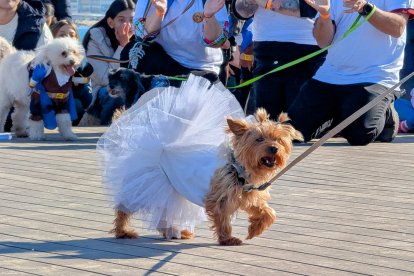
{"x":127,"y":84}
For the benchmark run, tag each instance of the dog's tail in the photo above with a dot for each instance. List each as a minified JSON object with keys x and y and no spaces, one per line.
{"x":118,"y":113}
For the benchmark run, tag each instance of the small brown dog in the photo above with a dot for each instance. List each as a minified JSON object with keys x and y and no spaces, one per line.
{"x":258,"y":151}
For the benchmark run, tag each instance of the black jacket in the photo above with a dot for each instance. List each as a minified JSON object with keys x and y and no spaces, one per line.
{"x":29,"y":25}
{"x":62,"y":8}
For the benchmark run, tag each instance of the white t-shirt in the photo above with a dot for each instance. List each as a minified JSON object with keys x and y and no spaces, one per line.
{"x":367,"y":54}
{"x":8,"y":31}
{"x":273,"y":26}
{"x":183,"y":39}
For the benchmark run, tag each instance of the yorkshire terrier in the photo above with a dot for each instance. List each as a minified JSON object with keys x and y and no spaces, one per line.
{"x":258,"y":151}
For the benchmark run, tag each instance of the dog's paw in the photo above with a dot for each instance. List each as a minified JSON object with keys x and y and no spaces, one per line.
{"x":22,"y":134}
{"x":186,"y":235}
{"x":125,"y":234}
{"x":231,"y":241}
{"x":253,"y":232}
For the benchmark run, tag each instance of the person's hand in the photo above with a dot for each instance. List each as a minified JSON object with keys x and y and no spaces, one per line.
{"x":160,"y":6}
{"x":211,"y":7}
{"x":322,"y":6}
{"x":123,"y":33}
{"x":354,"y":5}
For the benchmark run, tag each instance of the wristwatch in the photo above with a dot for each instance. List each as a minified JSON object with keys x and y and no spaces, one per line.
{"x":366,"y":9}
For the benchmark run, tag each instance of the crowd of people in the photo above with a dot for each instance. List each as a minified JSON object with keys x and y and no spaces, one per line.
{"x":215,"y":39}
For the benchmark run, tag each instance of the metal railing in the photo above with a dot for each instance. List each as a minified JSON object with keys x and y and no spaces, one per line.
{"x":93,"y":8}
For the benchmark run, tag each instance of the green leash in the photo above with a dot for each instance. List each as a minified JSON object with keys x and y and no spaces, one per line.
{"x":353,"y":27}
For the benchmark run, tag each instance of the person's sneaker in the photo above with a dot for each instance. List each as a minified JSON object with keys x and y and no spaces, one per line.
{"x":391,"y":125}
{"x":403,"y":128}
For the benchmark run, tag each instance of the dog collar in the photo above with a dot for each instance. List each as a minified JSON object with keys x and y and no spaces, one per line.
{"x":242,"y":177}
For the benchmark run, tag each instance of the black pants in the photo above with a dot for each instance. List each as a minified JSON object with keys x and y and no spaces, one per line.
{"x":157,"y":62}
{"x":321,"y":106}
{"x":277,"y":91}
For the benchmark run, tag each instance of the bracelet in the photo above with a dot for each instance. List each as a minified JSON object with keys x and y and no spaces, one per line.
{"x":216,"y":43}
{"x":268,"y":4}
{"x":325,"y":16}
{"x":160,"y":14}
{"x":246,"y":57}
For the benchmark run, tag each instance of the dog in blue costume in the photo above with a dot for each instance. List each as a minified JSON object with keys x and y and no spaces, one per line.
{"x":52,"y":103}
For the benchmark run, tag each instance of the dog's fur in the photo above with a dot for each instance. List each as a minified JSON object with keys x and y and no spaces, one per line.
{"x":124,"y":83}
{"x":262,"y":149}
{"x":14,"y":87}
{"x":14,"y":83}
{"x":5,"y":48}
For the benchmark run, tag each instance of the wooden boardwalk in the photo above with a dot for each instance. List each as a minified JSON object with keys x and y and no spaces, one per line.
{"x":341,"y":211}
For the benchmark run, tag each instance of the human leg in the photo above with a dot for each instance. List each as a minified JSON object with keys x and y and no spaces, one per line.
{"x":314,"y":109}
{"x":370,"y":125}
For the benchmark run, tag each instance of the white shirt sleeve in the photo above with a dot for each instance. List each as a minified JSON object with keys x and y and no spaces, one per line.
{"x":45,"y":37}
{"x":398,"y":4}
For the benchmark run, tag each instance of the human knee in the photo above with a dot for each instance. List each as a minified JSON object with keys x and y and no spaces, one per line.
{"x":359,"y":137}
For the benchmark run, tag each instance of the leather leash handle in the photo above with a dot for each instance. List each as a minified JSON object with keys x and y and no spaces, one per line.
{"x":341,"y":126}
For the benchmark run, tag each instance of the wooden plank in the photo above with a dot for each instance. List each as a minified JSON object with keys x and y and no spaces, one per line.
{"x":340,"y":212}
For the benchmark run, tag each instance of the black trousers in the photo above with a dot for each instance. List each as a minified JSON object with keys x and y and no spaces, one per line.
{"x":157,"y":62}
{"x":277,"y":91}
{"x":321,"y":106}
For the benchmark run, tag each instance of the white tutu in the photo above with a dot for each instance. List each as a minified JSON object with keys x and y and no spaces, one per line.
{"x":159,"y":157}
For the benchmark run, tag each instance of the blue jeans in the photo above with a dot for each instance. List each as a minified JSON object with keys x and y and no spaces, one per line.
{"x":405,"y":111}
{"x":104,"y":106}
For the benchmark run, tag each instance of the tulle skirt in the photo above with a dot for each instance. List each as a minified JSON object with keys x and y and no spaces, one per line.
{"x":159,"y":157}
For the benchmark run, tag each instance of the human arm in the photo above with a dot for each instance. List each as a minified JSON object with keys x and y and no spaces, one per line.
{"x":389,"y":23}
{"x":100,"y":45}
{"x":45,"y":36}
{"x":246,"y":47}
{"x":213,"y":31}
{"x":62,"y":9}
{"x":153,"y":21}
{"x":324,"y":29}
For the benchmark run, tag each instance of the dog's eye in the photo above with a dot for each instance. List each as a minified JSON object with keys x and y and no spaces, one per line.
{"x":259,"y":140}
{"x":64,"y":53}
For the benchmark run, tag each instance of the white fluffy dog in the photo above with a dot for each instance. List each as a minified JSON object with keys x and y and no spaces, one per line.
{"x":63,"y":56}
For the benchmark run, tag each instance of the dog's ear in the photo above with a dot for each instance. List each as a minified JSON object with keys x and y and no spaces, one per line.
{"x":283,"y":118}
{"x":294,"y":134}
{"x":261,"y":115}
{"x":238,"y":127}
{"x":146,"y":81}
{"x":41,"y":56}
{"x":140,"y":86}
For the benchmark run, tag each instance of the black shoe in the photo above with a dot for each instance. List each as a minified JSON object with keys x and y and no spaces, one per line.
{"x":391,"y":125}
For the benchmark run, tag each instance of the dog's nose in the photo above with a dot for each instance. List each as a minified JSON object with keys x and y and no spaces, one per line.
{"x":111,"y":86}
{"x":72,"y":62}
{"x":273,"y":150}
